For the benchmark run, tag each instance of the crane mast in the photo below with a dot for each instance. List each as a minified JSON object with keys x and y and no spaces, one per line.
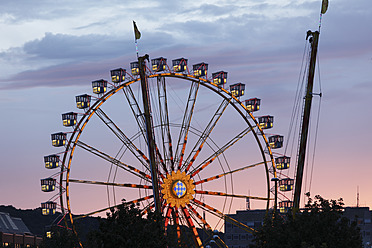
{"x":313,"y":39}
{"x":149,"y":131}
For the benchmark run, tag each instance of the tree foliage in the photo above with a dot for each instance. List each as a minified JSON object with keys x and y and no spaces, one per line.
{"x":319,"y":225}
{"x":61,"y":237}
{"x":126,"y":227}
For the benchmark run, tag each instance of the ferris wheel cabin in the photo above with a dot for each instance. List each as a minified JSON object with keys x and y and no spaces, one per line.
{"x":276,"y":141}
{"x":237,"y":89}
{"x":51,"y":161}
{"x":266,"y":122}
{"x":118,"y":75}
{"x":200,"y":69}
{"x":286,"y":184}
{"x":220,"y":78}
{"x":83,"y":101}
{"x":48,"y":208}
{"x":99,"y":86}
{"x":58,"y":139}
{"x":282,"y":163}
{"x":285,"y":206}
{"x":252,"y":104}
{"x":48,"y":184}
{"x":159,"y":64}
{"x":134,"y":68}
{"x":69,"y":119}
{"x":179,"y":65}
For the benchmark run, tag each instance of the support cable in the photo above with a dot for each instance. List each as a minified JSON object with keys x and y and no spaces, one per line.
{"x":317,"y":125}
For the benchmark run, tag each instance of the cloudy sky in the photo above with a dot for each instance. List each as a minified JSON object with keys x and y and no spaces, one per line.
{"x":50,"y":52}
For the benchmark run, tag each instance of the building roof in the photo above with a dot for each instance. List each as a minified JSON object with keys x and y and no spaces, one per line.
{"x":10,"y":224}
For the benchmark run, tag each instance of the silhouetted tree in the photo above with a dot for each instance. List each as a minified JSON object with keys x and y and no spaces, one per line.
{"x":319,"y":225}
{"x":61,"y":237}
{"x":126,"y":227}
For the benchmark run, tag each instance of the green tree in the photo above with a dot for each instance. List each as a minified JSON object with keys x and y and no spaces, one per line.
{"x":319,"y":225}
{"x":61,"y":237}
{"x":126,"y":227}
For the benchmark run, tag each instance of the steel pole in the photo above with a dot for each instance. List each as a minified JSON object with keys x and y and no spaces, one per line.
{"x":314,"y":37}
{"x":149,"y":131}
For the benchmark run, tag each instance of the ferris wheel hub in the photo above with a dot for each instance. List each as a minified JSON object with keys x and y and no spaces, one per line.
{"x":178,"y":189}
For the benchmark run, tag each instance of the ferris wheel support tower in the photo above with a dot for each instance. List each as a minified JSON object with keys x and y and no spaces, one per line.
{"x":313,"y":39}
{"x":149,"y":133}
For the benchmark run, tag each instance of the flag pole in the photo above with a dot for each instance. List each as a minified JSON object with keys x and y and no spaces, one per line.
{"x":323,"y":11}
{"x":137,"y":47}
{"x":137,"y":36}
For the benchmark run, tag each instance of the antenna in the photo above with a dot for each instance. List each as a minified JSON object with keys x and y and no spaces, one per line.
{"x":358,"y":196}
{"x":248,"y":202}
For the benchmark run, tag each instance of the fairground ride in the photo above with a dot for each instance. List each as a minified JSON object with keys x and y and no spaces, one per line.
{"x":174,"y":139}
{"x":168,"y":138}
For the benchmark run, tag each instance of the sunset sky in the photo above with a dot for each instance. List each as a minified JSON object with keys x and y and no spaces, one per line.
{"x":52,"y":51}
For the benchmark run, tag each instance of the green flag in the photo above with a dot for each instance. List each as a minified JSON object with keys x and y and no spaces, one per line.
{"x":324,"y":6}
{"x":137,"y":34}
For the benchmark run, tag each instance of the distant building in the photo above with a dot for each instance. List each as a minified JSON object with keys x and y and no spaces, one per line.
{"x":14,"y":232}
{"x":363,"y":216}
{"x":237,"y":238}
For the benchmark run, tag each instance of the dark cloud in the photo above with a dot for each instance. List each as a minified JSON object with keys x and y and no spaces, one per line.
{"x":267,"y":48}
{"x":20,"y":11}
{"x":62,"y":46}
{"x":82,"y":58}
{"x":61,"y":75}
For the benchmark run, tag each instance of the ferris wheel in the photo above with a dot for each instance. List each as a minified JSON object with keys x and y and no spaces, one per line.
{"x":176,"y":139}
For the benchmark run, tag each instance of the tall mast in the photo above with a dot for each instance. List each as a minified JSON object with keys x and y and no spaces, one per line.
{"x":314,"y":37}
{"x":149,"y":132}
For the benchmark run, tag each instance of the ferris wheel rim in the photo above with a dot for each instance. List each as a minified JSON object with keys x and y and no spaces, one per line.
{"x":78,"y":130}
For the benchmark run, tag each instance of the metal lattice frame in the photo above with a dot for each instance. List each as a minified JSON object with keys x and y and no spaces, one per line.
{"x":171,"y":158}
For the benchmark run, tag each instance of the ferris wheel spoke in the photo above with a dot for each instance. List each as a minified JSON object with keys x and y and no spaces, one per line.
{"x":207,"y":131}
{"x":199,"y":217}
{"x":114,"y":161}
{"x":229,"y":144}
{"x":164,"y":122}
{"x":123,"y":138}
{"x":182,"y":138}
{"x":223,"y":242}
{"x":140,"y":119}
{"x":191,"y":225}
{"x":200,"y":223}
{"x":227,"y":173}
{"x":161,"y":161}
{"x":219,"y":214}
{"x":204,"y":192}
{"x":148,"y":208}
{"x":136,"y":110}
{"x":111,"y":207}
{"x":185,"y":234}
{"x":176,"y":219}
{"x":206,"y":228}
{"x":167,"y":217}
{"x":127,"y":185}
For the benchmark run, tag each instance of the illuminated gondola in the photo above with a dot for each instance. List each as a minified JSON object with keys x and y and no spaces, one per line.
{"x":219,"y":78}
{"x":69,"y":119}
{"x":48,"y":208}
{"x":179,"y":65}
{"x":266,"y":122}
{"x":51,"y":161}
{"x":200,"y":69}
{"x":159,"y":64}
{"x":58,"y":139}
{"x":99,"y":86}
{"x":83,"y":101}
{"x":48,"y":184}
{"x":118,"y":75}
